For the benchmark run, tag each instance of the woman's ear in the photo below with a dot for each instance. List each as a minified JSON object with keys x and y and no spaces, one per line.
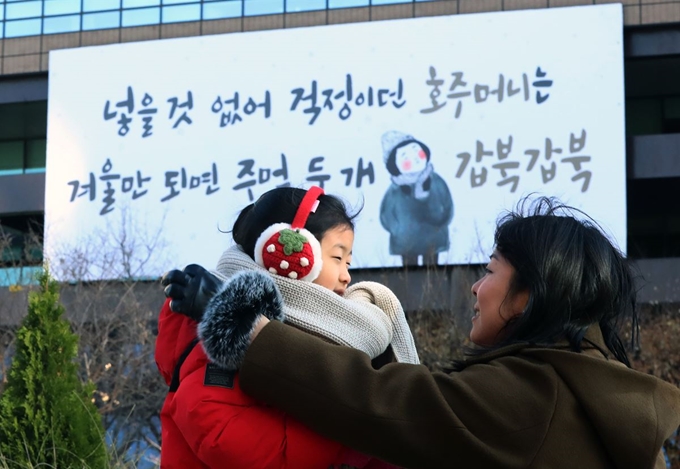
{"x":519,"y":302}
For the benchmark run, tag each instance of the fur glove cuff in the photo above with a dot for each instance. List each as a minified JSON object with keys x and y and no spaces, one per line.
{"x":232,"y":313}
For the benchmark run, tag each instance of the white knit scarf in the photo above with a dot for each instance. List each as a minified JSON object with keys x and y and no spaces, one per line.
{"x":369,"y":317}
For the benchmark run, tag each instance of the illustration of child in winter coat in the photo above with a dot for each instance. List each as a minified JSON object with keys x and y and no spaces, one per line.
{"x":417,"y":208}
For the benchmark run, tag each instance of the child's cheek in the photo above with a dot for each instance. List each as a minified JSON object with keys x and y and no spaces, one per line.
{"x":406,"y":165}
{"x":422,"y":154}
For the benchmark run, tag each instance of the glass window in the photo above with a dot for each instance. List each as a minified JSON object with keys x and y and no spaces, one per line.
{"x":24,"y":275}
{"x":23,"y":241}
{"x":35,"y":155}
{"x":181,"y":13}
{"x":12,"y":157}
{"x":347,"y":3}
{"x":22,"y":28}
{"x":305,"y":5}
{"x":216,"y":10}
{"x":653,"y":218}
{"x":262,"y":7}
{"x":389,"y":2}
{"x":100,"y":5}
{"x":671,"y":115}
{"x":175,"y":2}
{"x":106,"y":20}
{"x":643,"y":116}
{"x":141,"y":16}
{"x":24,"y":10}
{"x":61,"y":24}
{"x":140,"y":3}
{"x":11,"y":255}
{"x":671,"y":108}
{"x":61,"y":7}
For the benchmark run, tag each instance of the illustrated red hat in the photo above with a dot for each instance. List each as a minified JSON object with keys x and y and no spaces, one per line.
{"x":290,"y":250}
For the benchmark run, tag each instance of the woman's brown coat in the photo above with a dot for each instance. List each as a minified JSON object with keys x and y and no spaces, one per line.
{"x":518,"y":407}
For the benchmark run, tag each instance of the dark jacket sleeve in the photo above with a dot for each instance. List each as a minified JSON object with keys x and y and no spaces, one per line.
{"x":489,"y":415}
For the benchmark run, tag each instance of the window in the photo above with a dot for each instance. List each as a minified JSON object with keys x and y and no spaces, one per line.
{"x":100,"y":5}
{"x":671,"y":115}
{"x":61,"y":24}
{"x":61,"y":7}
{"x":643,"y":116}
{"x":263,"y":7}
{"x":388,"y":2}
{"x":176,"y":14}
{"x":22,"y":156}
{"x":21,"y":240}
{"x":23,"y":10}
{"x":347,"y":3}
{"x":23,"y":28}
{"x":106,"y":20}
{"x":11,"y":157}
{"x":140,"y":3}
{"x":653,"y":218}
{"x":217,"y":10}
{"x":142,"y":16}
{"x":175,"y":2}
{"x":36,"y":153}
{"x":305,"y":5}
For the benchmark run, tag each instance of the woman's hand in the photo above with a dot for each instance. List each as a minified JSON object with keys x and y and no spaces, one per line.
{"x":263,"y":321}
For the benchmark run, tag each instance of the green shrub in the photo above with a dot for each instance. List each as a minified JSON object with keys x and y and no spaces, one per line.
{"x":46,"y":413}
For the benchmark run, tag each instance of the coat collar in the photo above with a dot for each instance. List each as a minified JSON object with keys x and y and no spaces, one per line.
{"x":592,"y":344}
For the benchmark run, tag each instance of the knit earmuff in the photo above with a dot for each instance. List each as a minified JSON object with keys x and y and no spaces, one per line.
{"x":290,"y":250}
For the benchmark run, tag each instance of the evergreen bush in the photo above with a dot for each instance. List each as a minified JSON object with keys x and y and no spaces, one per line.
{"x":47,"y":417}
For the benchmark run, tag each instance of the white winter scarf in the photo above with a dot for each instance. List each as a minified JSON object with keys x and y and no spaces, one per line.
{"x":416,"y":180}
{"x":369,"y":317}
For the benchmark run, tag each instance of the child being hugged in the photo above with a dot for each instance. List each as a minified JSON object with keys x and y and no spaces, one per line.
{"x":304,"y":240}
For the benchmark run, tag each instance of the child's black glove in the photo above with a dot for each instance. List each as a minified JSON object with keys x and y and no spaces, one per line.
{"x":233,"y":312}
{"x":190,"y":290}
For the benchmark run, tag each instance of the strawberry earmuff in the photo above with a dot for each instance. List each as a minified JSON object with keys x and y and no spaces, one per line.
{"x":290,"y":250}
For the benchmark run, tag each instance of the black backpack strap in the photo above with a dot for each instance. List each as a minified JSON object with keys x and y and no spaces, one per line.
{"x":174,"y":384}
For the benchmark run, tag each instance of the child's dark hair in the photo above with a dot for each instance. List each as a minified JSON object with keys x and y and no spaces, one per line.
{"x":391,"y":163}
{"x":574,"y":275}
{"x":279,"y":206}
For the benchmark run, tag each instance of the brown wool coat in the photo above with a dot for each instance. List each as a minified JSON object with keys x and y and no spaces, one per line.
{"x":518,"y":407}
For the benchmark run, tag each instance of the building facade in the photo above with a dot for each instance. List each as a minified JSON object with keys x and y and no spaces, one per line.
{"x":32,"y":28}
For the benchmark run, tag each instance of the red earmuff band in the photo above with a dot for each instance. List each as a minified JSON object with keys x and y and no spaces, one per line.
{"x":306,"y":206}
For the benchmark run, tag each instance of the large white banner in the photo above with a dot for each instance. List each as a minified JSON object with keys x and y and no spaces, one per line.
{"x":435,"y":125}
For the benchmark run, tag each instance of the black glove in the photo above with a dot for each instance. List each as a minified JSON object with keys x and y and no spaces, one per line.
{"x":190,"y":290}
